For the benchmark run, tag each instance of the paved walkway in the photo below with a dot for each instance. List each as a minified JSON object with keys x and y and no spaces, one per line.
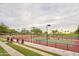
{"x":53,"y":50}
{"x":35,"y":50}
{"x":10,"y":50}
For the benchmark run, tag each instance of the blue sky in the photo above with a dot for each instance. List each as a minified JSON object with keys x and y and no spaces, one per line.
{"x":20,"y":15}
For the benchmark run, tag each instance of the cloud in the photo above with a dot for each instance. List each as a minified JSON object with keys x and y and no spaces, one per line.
{"x":19,"y":15}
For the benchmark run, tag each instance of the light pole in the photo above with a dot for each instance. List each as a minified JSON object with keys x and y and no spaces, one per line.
{"x":31,"y":36}
{"x":17,"y":35}
{"x":47,"y":33}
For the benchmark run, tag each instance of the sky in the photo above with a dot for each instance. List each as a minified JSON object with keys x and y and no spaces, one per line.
{"x":61,"y":16}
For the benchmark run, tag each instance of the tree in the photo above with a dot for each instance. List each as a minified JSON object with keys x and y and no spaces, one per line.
{"x":77,"y":31}
{"x":44,"y":33}
{"x":54,"y":31}
{"x":12,"y":31}
{"x":24,"y":31}
{"x":27,"y":32}
{"x":6,"y":30}
{"x":3,"y":28}
{"x":36,"y":31}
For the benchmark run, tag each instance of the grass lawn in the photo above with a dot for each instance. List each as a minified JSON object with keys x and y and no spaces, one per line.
{"x":24,"y":51}
{"x":3,"y":52}
{"x":54,"y":54}
{"x":2,"y":40}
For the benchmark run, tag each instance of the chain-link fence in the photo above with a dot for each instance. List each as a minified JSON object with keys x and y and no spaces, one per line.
{"x":65,"y":42}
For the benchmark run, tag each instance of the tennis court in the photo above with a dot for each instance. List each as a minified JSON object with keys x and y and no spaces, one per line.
{"x":66,"y":44}
{"x":61,"y":43}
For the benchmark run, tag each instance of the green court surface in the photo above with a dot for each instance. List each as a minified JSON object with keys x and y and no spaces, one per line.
{"x":60,"y":41}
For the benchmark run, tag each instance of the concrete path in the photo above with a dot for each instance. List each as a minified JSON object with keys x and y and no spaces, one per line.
{"x":53,"y":50}
{"x":10,"y":50}
{"x":35,"y":50}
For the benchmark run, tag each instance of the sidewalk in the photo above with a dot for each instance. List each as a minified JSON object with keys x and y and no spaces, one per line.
{"x":10,"y":50}
{"x":53,"y":50}
{"x":35,"y":50}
